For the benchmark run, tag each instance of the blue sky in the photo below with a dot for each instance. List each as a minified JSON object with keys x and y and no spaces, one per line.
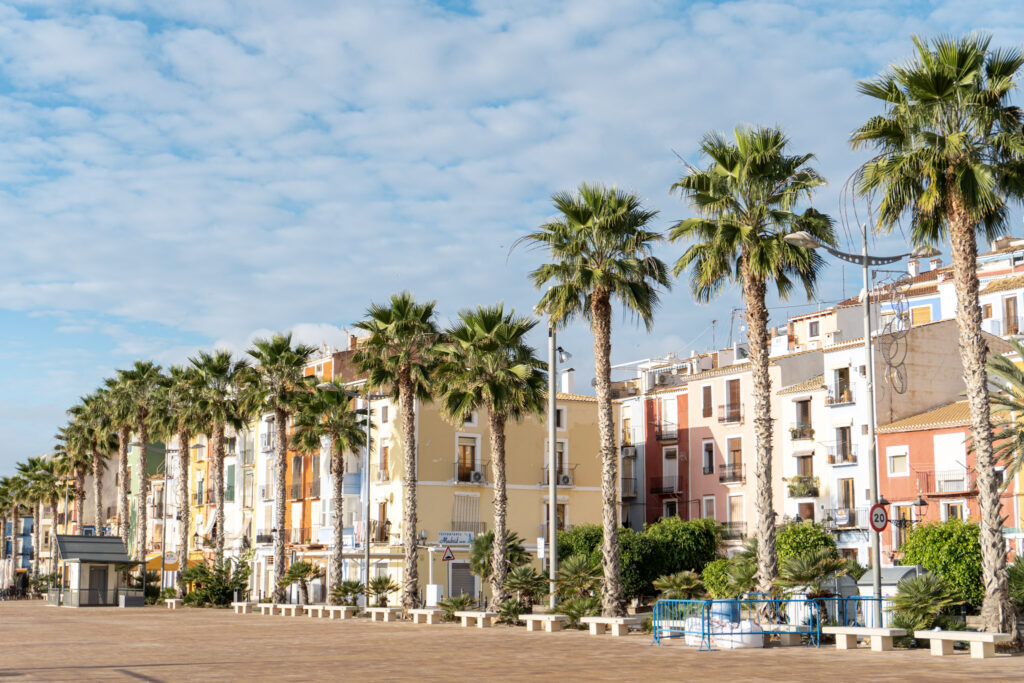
{"x":184,"y":174}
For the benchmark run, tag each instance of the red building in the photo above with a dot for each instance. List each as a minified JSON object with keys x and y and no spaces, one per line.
{"x":666,"y":454}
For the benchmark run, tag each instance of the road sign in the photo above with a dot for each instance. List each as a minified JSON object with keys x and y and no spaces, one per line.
{"x":879,"y":518}
{"x":448,"y":555}
{"x":540,"y":547}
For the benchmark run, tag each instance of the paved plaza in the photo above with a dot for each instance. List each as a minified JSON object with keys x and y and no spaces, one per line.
{"x":40,"y":643}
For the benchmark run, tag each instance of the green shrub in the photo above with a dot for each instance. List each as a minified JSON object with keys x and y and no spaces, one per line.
{"x":855,"y":570}
{"x":458,"y":603}
{"x":483,"y":548}
{"x":301,"y":573}
{"x":924,"y":602}
{"x":347,"y":593}
{"x":214,"y":583}
{"x":684,"y":585}
{"x":509,"y":611}
{"x":1015,"y":575}
{"x":579,"y":576}
{"x":799,"y":538}
{"x":716,"y":578}
{"x":683,"y":545}
{"x":951,"y":550}
{"x":530,"y":584}
{"x":379,"y":588}
{"x":152,"y":586}
{"x":577,"y":608}
{"x":584,"y":539}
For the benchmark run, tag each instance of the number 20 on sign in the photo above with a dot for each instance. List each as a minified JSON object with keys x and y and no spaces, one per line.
{"x":879,"y":518}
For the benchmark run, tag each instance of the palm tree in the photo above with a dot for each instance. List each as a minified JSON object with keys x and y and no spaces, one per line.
{"x":5,"y":507}
{"x":178,"y":416}
{"x":218,"y":376}
{"x":120,"y":412}
{"x":745,"y":200}
{"x":950,"y":152}
{"x":485,"y":362}
{"x":1006,"y":397}
{"x":397,"y":356}
{"x":141,"y":383}
{"x":327,"y":417}
{"x":40,"y":488}
{"x":14,"y":488}
{"x":74,"y":457}
{"x":601,"y":249}
{"x":275,"y":385}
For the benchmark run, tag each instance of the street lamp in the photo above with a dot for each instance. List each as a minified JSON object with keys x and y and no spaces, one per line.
{"x":555,"y":354}
{"x":804,"y":239}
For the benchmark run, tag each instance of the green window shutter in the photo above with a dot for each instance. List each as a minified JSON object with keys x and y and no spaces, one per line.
{"x":229,"y":487}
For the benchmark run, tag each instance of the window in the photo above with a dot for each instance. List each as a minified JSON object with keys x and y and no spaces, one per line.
{"x":805,"y":465}
{"x":247,"y":489}
{"x":735,"y":449}
{"x":846,"y":494}
{"x":897,"y":457}
{"x":953,"y":511}
{"x":706,"y":401}
{"x":709,"y":507}
{"x":384,"y":462}
{"x":466,"y":458}
{"x":670,"y":509}
{"x":560,"y":457}
{"x":627,"y":424}
{"x":814,"y":329}
{"x":383,"y":527}
{"x":314,"y":472}
{"x":383,"y":414}
{"x":560,"y":418}
{"x":920,"y":315}
{"x":670,"y":469}
{"x":904,"y":513}
{"x":560,"y":512}
{"x":732,"y":406}
{"x":709,"y":457}
{"x":229,"y":484}
{"x":803,"y":420}
{"x":986,"y":311}
{"x":470,"y":420}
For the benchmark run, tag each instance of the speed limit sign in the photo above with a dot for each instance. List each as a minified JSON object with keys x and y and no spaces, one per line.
{"x":879,"y":518}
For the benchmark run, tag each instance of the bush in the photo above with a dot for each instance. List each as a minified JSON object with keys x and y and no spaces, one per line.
{"x":214,"y":584}
{"x":301,"y":573}
{"x":683,"y":545}
{"x":924,"y":602}
{"x":509,"y":611}
{"x":347,"y":593}
{"x":951,"y":550}
{"x":458,"y":603}
{"x":584,"y":539}
{"x":152,"y":586}
{"x":577,"y":608}
{"x":379,"y":588}
{"x":483,"y":548}
{"x":716,"y":578}
{"x":1015,"y":574}
{"x":641,"y":558}
{"x":530,"y":584}
{"x":684,"y":585}
{"x":799,"y":538}
{"x":579,"y":576}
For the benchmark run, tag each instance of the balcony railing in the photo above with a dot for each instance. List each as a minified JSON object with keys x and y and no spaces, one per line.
{"x":197,"y":498}
{"x":566,"y":476}
{"x":476,"y":528}
{"x":803,"y":486}
{"x":249,"y":455}
{"x":312,"y":489}
{"x":842,"y":453}
{"x":666,"y":431}
{"x":267,"y":442}
{"x":296,"y":491}
{"x":847,"y":517}
{"x":801,"y":431}
{"x":839,"y":394}
{"x":730,"y":413}
{"x":708,"y":469}
{"x":468,"y":473}
{"x":952,"y":481}
{"x":628,"y":487}
{"x":733,"y":530}
{"x":663,"y":484}
{"x":300,"y":535}
{"x":264,"y":537}
{"x":732,"y":473}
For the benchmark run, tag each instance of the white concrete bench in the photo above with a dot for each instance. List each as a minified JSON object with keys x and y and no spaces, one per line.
{"x":789,"y":634}
{"x":983,"y":645}
{"x":619,"y":626}
{"x":315,"y":611}
{"x":267,"y":607}
{"x":243,"y":607}
{"x":174,"y":603}
{"x":479,"y":619}
{"x":550,"y":622}
{"x":384,"y":613}
{"x":341,"y":611}
{"x":285,"y":608}
{"x":426,"y":615}
{"x":846,"y":636}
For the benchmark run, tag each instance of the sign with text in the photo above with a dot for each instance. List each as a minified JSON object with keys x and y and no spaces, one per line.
{"x":455,"y":537}
{"x":879,"y":518}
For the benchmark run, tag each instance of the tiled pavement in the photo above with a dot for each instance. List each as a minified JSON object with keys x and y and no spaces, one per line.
{"x":155,"y":644}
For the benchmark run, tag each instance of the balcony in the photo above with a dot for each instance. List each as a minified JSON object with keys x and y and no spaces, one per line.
{"x":801,"y":431}
{"x":628,"y":487}
{"x":295,"y":493}
{"x":734,"y":530}
{"x":312,"y":489}
{"x":197,"y":498}
{"x":248,"y":455}
{"x":300,"y":535}
{"x":264,"y":538}
{"x":952,"y":481}
{"x":803,"y":486}
{"x":847,"y":518}
{"x":666,"y":431}
{"x":661,"y":485}
{"x":708,"y":469}
{"x":732,"y":474}
{"x":267,"y":442}
{"x":566,"y":476}
{"x":842,"y":453}
{"x":730,"y":413}
{"x":468,"y":473}
{"x":839,"y":394}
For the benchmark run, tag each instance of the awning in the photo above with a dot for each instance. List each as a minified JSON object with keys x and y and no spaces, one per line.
{"x":153,"y":563}
{"x":801,"y":454}
{"x":208,"y":529}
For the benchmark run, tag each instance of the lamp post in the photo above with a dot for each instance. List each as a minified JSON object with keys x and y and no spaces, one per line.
{"x":807,"y":241}
{"x":163,"y":521}
{"x":555,"y":354}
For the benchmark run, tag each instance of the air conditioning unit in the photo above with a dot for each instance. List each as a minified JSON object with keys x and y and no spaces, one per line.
{"x":565,"y":480}
{"x":662,"y":378}
{"x":477,"y":477}
{"x":631,"y":391}
{"x":629,"y":451}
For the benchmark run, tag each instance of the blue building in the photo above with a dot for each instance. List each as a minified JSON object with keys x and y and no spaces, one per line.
{"x":25,"y":547}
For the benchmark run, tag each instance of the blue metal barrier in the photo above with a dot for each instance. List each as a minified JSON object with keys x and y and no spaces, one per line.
{"x":698,"y":620}
{"x":857,"y":610}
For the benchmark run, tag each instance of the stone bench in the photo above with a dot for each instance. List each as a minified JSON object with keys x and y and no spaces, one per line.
{"x":550,"y":622}
{"x":267,"y":607}
{"x":174,"y":603}
{"x":427,"y":615}
{"x":243,"y":607}
{"x":341,"y":611}
{"x":619,"y":626}
{"x":480,"y":619}
{"x":846,"y":636}
{"x":384,"y":613}
{"x":315,"y":611}
{"x":285,"y":608}
{"x":789,"y":634}
{"x":983,"y":645}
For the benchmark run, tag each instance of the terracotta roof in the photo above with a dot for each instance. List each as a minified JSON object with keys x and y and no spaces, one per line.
{"x":812,"y":384}
{"x":1003,"y":284}
{"x":562,"y":396}
{"x":950,"y":415}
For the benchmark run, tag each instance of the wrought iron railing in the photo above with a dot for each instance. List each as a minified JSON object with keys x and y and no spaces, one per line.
{"x":842,"y":453}
{"x":730,"y":413}
{"x":628,"y":487}
{"x":734,"y":530}
{"x":663,"y":484}
{"x":839,"y":394}
{"x":666,"y":431}
{"x":732,"y":473}
{"x":803,"y":486}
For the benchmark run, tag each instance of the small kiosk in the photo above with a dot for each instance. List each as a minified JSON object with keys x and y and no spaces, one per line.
{"x":94,"y":572}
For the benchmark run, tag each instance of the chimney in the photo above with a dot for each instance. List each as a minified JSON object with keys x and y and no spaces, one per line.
{"x":935,"y":263}
{"x":567,"y":383}
{"x":914,"y":267}
{"x":353,"y":340}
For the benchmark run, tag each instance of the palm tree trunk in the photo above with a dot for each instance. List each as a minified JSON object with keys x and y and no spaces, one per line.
{"x":143,"y":516}
{"x":410,"y":583}
{"x":183,"y":509}
{"x":123,"y":485}
{"x":15,"y":557}
{"x":499,"y":552}
{"x":303,"y":593}
{"x":97,"y":491}
{"x":3,"y":535}
{"x":218,"y":489}
{"x":80,"y":474}
{"x":997,"y":612}
{"x":53,"y":532}
{"x":612,"y":599}
{"x":280,"y":463}
{"x":37,"y":518}
{"x":757,"y":340}
{"x":338,"y":521}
